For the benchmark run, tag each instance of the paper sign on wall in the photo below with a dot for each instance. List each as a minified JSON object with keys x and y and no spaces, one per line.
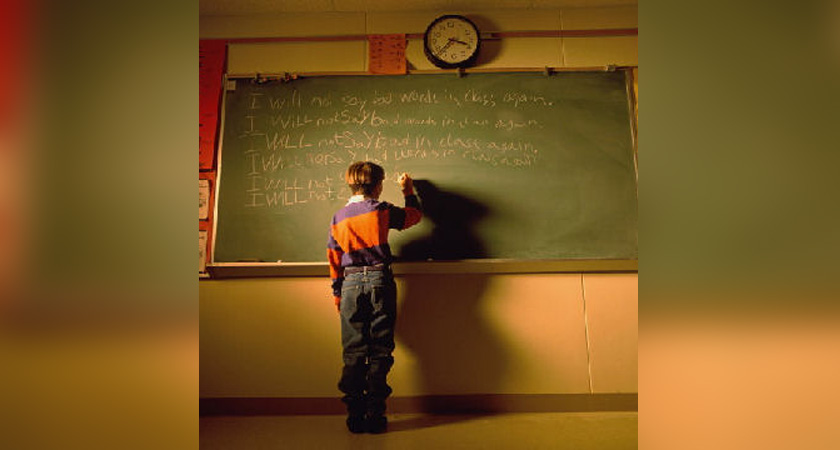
{"x":386,"y":53}
{"x":203,"y":199}
{"x":202,"y":251}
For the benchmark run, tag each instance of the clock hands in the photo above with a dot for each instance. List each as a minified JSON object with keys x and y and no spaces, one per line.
{"x":445,"y":46}
{"x":449,"y":42}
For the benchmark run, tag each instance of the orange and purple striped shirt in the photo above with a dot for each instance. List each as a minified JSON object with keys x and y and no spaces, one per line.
{"x":359,"y":234}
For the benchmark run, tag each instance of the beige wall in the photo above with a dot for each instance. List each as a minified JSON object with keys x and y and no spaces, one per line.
{"x":457,"y":333}
{"x":352,"y":56}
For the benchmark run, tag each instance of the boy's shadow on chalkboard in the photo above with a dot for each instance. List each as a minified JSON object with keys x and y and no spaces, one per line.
{"x":453,"y":219}
{"x":441,"y":321}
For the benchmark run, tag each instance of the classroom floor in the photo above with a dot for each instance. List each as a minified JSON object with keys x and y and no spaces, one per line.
{"x":579,"y":431}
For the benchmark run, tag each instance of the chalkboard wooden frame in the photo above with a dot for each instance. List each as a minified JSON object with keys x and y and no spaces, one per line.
{"x":500,"y":266}
{"x":488,"y":266}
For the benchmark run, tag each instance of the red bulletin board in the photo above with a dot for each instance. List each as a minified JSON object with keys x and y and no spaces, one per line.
{"x":211,"y":67}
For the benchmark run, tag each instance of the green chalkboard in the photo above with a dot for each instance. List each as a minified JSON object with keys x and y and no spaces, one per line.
{"x":516,"y":166}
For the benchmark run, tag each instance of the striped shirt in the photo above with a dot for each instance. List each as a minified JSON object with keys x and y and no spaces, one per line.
{"x":359,"y":234}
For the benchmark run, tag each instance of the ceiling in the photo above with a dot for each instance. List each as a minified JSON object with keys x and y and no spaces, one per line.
{"x":249,"y":7}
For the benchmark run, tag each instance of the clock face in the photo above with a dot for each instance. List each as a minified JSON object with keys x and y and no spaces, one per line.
{"x":452,"y":41}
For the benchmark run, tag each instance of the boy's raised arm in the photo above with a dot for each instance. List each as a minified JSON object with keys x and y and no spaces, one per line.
{"x":413,"y":211}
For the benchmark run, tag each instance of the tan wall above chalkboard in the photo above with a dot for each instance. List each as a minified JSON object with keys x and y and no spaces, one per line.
{"x":509,"y":165}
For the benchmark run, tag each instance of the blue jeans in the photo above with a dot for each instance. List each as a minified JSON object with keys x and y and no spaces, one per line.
{"x":368,"y":315}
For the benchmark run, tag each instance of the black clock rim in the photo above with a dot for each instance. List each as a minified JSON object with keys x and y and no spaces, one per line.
{"x":441,"y":63}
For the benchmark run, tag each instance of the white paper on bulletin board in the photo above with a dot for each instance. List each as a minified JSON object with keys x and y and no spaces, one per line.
{"x":202,"y":251}
{"x":203,"y":199}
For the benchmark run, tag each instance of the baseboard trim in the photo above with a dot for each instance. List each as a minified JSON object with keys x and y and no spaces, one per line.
{"x":433,"y":404}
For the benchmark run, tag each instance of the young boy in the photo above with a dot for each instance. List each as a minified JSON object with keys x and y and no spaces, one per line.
{"x":364,"y":290}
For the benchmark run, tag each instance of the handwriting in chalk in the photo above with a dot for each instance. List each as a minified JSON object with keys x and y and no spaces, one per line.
{"x":291,"y":133}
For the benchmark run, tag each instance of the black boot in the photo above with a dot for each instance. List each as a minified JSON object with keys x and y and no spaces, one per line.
{"x":377,"y":391}
{"x":377,"y":424}
{"x":355,"y":414}
{"x":356,"y":424}
{"x":376,"y":420}
{"x":353,"y":385}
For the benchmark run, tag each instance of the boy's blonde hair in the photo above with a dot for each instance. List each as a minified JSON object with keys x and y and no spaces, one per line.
{"x":363,"y":177}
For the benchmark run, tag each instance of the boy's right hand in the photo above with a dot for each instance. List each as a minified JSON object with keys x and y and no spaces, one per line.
{"x":406,"y":183}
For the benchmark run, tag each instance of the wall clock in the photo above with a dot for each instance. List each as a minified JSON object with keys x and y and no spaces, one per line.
{"x":451,"y":41}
